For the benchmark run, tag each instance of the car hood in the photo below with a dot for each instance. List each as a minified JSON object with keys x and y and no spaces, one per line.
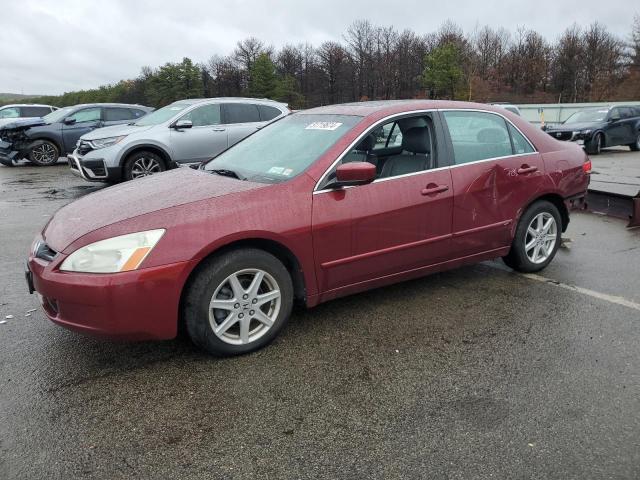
{"x":135,"y":198}
{"x":574,"y":127}
{"x":10,"y":123}
{"x":114,"y":131}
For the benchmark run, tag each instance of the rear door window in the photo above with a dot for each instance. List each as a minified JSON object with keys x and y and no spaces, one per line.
{"x":268,"y":113}
{"x":114,"y":114}
{"x":241,"y":113}
{"x":477,"y":136}
{"x":35,"y":111}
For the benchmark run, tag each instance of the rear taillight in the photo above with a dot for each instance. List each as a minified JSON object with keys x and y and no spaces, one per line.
{"x":586,"y":166}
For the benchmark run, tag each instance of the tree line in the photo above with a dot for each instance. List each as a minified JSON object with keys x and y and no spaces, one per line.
{"x":370,"y":62}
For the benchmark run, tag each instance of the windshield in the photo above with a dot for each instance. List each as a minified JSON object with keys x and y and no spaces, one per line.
{"x":283,"y":149}
{"x":58,"y":115}
{"x":585,"y":116}
{"x":162,"y":115}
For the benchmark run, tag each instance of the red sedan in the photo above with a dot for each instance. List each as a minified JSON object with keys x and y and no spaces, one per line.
{"x":323,"y":203}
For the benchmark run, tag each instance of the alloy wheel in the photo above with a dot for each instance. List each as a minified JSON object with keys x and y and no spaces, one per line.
{"x":44,"y":153}
{"x":541,"y":237}
{"x":145,"y":166}
{"x":244,"y":306}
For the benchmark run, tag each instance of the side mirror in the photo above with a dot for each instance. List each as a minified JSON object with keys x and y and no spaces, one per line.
{"x":180,"y":124}
{"x":355,"y":173}
{"x":69,"y":121}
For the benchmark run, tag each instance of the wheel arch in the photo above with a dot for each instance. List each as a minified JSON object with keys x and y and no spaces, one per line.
{"x":277,"y":249}
{"x":48,"y":138}
{"x":146,"y":148}
{"x":557,"y":200}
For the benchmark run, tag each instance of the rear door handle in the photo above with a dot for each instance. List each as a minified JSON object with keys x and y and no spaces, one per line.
{"x":432,"y":189}
{"x":218,"y":129}
{"x":524,"y":169}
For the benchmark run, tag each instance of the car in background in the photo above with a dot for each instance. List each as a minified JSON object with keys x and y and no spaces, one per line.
{"x":310,"y":208}
{"x":596,"y":128}
{"x":43,"y":140}
{"x":186,"y":131}
{"x":25,"y":110}
{"x":508,"y":106}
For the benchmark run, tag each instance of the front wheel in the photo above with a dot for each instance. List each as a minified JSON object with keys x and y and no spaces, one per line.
{"x":143,"y":164}
{"x":636,"y":145}
{"x":594,"y":146}
{"x":43,"y":152}
{"x":238,"y":302}
{"x":537,"y":238}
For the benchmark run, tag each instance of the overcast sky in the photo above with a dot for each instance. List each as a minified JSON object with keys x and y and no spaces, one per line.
{"x":49,"y":47}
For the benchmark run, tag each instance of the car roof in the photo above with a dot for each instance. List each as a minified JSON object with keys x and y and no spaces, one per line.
{"x":264,"y":101}
{"x":125,"y":105}
{"x":389,"y":107}
{"x":26,"y":105}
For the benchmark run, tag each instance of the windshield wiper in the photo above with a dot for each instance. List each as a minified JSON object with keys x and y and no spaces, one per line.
{"x":227,"y":173}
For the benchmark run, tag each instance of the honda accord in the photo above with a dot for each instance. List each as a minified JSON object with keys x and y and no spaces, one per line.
{"x":320,"y":204}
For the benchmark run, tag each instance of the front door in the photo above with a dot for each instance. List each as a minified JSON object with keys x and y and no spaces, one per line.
{"x":400,"y":222}
{"x":81,"y":122}
{"x":204,"y":140}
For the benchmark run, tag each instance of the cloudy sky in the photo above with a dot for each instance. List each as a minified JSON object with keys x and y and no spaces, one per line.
{"x":53,"y":46}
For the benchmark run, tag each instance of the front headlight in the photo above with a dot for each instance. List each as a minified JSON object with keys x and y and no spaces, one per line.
{"x":106,"y":142}
{"x":117,"y":254}
{"x":586,"y":131}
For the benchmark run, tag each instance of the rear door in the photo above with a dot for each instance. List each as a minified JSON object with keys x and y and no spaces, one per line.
{"x":240,"y":120}
{"x":495,"y":173}
{"x":83,"y":121}
{"x":204,"y":140}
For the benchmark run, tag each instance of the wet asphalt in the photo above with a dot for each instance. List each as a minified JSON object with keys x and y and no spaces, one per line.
{"x":471,"y":374}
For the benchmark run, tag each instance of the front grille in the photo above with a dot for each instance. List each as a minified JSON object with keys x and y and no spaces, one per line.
{"x":564,"y":136}
{"x":84,"y":148}
{"x":43,"y":251}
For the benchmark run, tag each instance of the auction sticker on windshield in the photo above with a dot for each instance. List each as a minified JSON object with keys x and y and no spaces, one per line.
{"x":323,"y":126}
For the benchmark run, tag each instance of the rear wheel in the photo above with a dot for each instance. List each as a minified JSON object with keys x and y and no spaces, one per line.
{"x":594,"y":146}
{"x":43,"y":152}
{"x":537,"y":238}
{"x":635,"y":146}
{"x":238,"y":302}
{"x":143,"y":164}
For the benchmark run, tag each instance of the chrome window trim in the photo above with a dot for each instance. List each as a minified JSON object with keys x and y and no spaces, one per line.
{"x":498,"y":114}
{"x":395,"y":115}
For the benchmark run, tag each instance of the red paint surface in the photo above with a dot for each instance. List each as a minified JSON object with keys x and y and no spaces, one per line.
{"x":345,"y":241}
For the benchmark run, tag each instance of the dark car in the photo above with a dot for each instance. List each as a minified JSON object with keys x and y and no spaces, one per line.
{"x":43,"y":140}
{"x":310,"y":208}
{"x":596,"y":128}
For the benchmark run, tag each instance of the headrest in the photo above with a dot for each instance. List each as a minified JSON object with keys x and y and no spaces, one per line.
{"x":367,"y":143}
{"x":492,"y":135}
{"x":417,"y":140}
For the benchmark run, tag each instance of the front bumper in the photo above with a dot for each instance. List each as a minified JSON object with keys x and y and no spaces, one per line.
{"x":136,"y":305}
{"x":8,"y":156}
{"x":92,"y":170}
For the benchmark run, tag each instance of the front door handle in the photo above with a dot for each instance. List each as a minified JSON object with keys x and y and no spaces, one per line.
{"x":524,"y":169}
{"x":432,"y":189}
{"x":218,"y":129}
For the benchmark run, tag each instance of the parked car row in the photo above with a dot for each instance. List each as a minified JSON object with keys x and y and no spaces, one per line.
{"x":317,"y":205}
{"x":43,"y":140}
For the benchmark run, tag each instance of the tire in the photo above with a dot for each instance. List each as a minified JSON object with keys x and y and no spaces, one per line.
{"x":239,"y":304}
{"x":43,"y":152}
{"x":595,"y":145}
{"x":143,"y":164}
{"x":534,"y":258}
{"x":635,"y":147}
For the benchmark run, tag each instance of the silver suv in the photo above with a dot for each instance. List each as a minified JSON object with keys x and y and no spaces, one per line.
{"x":184,"y":132}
